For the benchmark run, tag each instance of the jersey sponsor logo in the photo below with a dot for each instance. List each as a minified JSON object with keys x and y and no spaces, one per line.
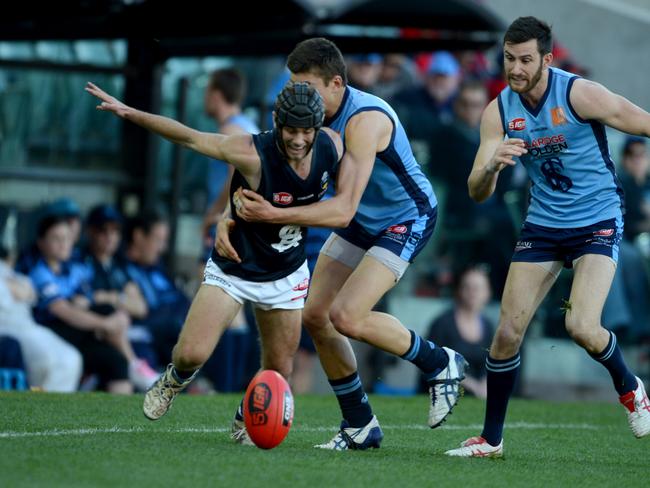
{"x":604,"y":232}
{"x":303,"y":285}
{"x":557,"y":116}
{"x":398,"y":229}
{"x":517,"y":124}
{"x":282,"y":198}
{"x":547,"y":145}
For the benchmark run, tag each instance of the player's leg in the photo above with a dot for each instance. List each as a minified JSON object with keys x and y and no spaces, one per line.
{"x":279,"y":336}
{"x":593,"y":277}
{"x":359,"y":428}
{"x":211,"y":312}
{"x":526,"y":286}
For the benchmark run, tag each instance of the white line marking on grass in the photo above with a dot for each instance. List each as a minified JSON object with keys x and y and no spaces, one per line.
{"x":216,"y":430}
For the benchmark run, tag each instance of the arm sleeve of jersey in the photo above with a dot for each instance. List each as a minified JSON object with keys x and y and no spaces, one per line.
{"x":47,"y":288}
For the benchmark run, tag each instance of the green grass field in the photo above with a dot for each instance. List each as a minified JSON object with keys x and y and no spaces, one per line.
{"x":103,"y":440}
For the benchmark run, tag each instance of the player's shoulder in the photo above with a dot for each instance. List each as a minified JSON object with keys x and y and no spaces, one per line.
{"x":335,"y":138}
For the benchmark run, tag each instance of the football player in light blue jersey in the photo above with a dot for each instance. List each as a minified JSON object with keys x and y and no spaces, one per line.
{"x":553,"y":122}
{"x":384,"y":211}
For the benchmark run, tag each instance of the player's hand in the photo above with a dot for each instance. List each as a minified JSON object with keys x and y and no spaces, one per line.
{"x":116,"y":323}
{"x":252,"y":207}
{"x":222,"y":243}
{"x":505,"y":154}
{"x":109,"y":103}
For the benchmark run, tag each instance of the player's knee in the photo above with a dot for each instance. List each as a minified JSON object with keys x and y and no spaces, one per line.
{"x":344,"y":322}
{"x":580,"y":330}
{"x":315,"y":320}
{"x":507,"y":339}
{"x":187,"y":357}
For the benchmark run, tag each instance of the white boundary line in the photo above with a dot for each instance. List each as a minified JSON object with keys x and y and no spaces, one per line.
{"x":207,"y":430}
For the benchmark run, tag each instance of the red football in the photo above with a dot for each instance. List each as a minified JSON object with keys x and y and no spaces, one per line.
{"x":268,"y":409}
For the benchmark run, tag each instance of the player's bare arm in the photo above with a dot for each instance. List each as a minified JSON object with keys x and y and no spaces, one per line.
{"x":222,"y":243}
{"x":366,"y":134}
{"x":592,"y":101}
{"x":493,"y":155}
{"x":237,"y":150}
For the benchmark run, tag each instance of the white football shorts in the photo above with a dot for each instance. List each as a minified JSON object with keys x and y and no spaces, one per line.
{"x":286,"y":293}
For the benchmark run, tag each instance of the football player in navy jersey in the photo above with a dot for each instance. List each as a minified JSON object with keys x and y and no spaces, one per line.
{"x":553,"y":123}
{"x":385,"y":212}
{"x":290,"y":166}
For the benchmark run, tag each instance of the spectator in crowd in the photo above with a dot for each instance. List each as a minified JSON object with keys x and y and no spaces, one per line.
{"x":424,"y":107}
{"x":635,"y":179}
{"x":65,"y":304}
{"x":465,"y":328}
{"x":68,"y":210}
{"x":51,"y":363}
{"x":147,"y":237}
{"x":398,"y":72}
{"x":627,"y":308}
{"x":364,"y":71}
{"x":12,"y":365}
{"x":224,"y":98}
{"x":111,"y":287}
{"x":469,"y":226}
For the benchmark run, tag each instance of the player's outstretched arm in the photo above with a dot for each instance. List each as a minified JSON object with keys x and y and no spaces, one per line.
{"x":237,"y":150}
{"x":494,"y":154}
{"x":366,"y":134}
{"x":592,"y":101}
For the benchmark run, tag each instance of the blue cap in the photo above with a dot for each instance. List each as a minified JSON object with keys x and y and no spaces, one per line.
{"x":63,"y":207}
{"x":370,"y":58}
{"x":103,"y":214}
{"x":443,"y":63}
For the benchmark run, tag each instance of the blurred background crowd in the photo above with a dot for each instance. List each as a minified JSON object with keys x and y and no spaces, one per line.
{"x":96,"y":279}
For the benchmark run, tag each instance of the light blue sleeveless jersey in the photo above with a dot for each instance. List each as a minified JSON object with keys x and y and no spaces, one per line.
{"x":568,"y":161}
{"x":397,"y":190}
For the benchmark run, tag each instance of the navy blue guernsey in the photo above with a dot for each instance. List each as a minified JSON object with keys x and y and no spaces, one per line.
{"x":273,"y":251}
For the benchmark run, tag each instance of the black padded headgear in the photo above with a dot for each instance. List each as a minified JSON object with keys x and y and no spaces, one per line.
{"x":299,"y":105}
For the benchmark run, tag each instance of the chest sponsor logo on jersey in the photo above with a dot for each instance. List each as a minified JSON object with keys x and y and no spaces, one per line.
{"x":557,"y":116}
{"x":547,"y":145}
{"x":282,"y":198}
{"x":517,"y":124}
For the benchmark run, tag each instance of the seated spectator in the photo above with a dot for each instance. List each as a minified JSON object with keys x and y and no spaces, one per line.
{"x":51,"y":363}
{"x":167,"y":306}
{"x":68,"y":210}
{"x":465,"y":328}
{"x":65,"y":303}
{"x":112,"y":289}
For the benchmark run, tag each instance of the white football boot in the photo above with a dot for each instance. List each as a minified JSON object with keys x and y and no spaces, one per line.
{"x":445,"y":389}
{"x":360,"y":438}
{"x":158,"y":399}
{"x":477,"y":447}
{"x":638,"y":409}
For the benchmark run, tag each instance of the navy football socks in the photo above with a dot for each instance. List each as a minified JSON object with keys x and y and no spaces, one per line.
{"x":426,"y":356}
{"x":501,"y":378}
{"x":612,"y":359}
{"x":352,"y":400}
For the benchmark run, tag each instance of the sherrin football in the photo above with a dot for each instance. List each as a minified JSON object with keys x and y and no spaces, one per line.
{"x":268,"y":409}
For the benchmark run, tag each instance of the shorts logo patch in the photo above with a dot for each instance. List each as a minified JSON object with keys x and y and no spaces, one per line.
{"x":398,"y":229}
{"x":604,"y":232}
{"x":522,"y":245}
{"x":303,"y":285}
{"x":517,"y":124}
{"x":282,"y":198}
